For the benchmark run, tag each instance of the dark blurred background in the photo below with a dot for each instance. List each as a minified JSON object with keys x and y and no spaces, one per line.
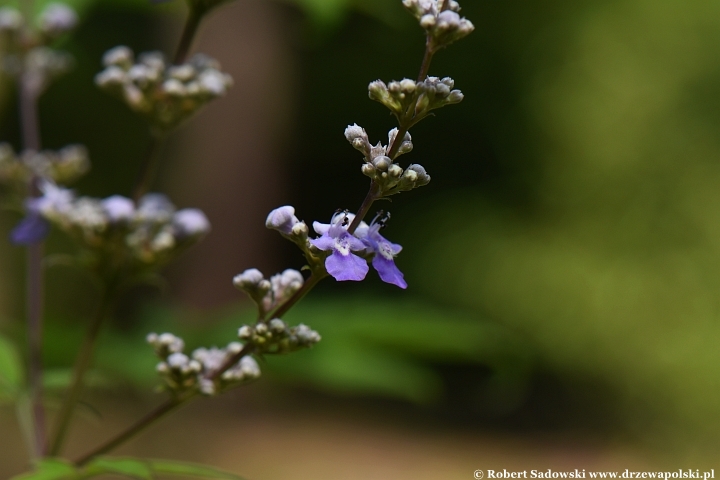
{"x":563,"y":307}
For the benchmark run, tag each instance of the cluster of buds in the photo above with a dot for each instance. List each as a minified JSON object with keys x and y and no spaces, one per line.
{"x":63,"y":166}
{"x":440,"y":19}
{"x":148,"y":234}
{"x":389,"y":176}
{"x":55,"y":20}
{"x":164,"y":94}
{"x":276,"y":336}
{"x":26,"y":49}
{"x":182,"y":373}
{"x":269,"y":294}
{"x":411,"y":101}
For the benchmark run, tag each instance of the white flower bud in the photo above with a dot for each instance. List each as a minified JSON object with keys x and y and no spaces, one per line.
{"x":368,"y":169}
{"x":191,"y":222}
{"x":120,"y":56}
{"x":261,"y":328}
{"x":213,"y":82}
{"x":277,"y":326}
{"x":174,"y":87}
{"x":456,"y":96}
{"x":382,"y":163}
{"x":177,"y":360}
{"x":249,"y":367}
{"x":118,"y":208}
{"x":111,"y":76}
{"x":245,"y":332}
{"x":184,"y":73}
{"x":395,"y":171}
{"x":427,"y":21}
{"x":300,"y":229}
{"x":248,"y":279}
{"x":355,"y":131}
{"x":57,"y":18}
{"x":10,"y":19}
{"x":282,"y":219}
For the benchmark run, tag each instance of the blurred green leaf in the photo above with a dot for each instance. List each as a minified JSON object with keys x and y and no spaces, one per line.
{"x":324,"y":12}
{"x":149,"y":469}
{"x":170,"y":467}
{"x":60,"y":378}
{"x":130,"y":467}
{"x":51,"y":469}
{"x":11,"y":375}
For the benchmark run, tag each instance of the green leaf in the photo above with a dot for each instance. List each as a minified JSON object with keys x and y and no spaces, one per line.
{"x":148,"y":469}
{"x":51,"y":469}
{"x":10,"y":368}
{"x":130,"y":467}
{"x":170,"y":467}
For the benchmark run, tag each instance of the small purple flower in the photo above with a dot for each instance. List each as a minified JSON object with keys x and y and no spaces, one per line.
{"x":342,"y":264}
{"x":31,"y":229}
{"x":385,"y":252}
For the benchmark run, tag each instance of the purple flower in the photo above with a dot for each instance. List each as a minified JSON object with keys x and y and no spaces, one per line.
{"x":31,"y":229}
{"x":342,"y":263}
{"x":385,"y":252}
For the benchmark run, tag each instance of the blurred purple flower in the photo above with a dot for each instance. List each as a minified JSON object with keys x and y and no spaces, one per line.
{"x":31,"y":229}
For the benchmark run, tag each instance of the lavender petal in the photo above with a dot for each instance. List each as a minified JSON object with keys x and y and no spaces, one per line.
{"x":346,"y":267}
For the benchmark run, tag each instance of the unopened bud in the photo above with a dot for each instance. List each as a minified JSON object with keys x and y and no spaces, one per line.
{"x":120,"y":56}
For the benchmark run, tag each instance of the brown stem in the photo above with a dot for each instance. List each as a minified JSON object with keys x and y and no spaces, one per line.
{"x":372,"y":195}
{"x":427,"y":59}
{"x":149,"y":168}
{"x":192,"y":23}
{"x":81,"y":365}
{"x":29,"y":93}
{"x":297,"y":296}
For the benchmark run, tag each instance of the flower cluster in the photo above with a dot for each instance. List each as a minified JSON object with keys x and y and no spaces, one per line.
{"x":182,"y":373}
{"x":63,"y":166}
{"x":276,"y":336}
{"x":269,"y":294}
{"x":26,"y":50}
{"x":408,"y":99}
{"x":164,"y":94}
{"x":147,"y":234}
{"x":55,"y":20}
{"x":444,"y":26}
{"x":390,"y":177}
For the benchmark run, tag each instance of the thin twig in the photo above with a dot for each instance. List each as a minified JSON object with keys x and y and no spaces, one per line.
{"x":82,"y":363}
{"x":29,"y":92}
{"x":192,"y":23}
{"x":297,"y":296}
{"x":149,"y":168}
{"x":169,"y":406}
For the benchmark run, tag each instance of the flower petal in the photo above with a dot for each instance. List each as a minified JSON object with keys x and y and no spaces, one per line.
{"x":388,"y":271}
{"x":346,"y":267}
{"x":325,"y":242}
